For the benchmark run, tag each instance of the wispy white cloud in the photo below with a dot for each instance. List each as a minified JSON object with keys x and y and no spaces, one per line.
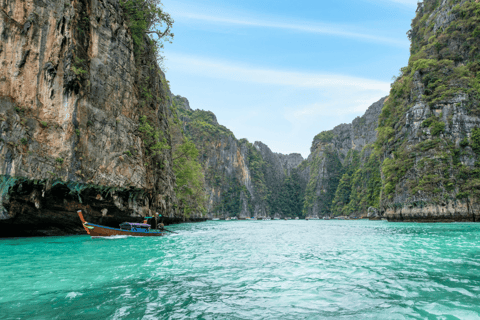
{"x":310,"y":27}
{"x":342,"y":106}
{"x":237,"y":72}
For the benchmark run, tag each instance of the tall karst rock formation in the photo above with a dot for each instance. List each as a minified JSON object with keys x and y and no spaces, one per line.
{"x":87,"y":123}
{"x":242,"y":179}
{"x":339,"y":156}
{"x":429,"y":129}
{"x":83,"y":121}
{"x":422,"y":163}
{"x":340,"y":177}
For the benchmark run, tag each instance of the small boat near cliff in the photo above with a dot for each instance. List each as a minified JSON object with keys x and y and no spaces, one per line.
{"x":126,"y":229}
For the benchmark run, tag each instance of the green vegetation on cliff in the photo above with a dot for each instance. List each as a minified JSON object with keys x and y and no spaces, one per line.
{"x":326,"y":168}
{"x":443,"y":70}
{"x":291,"y":196}
{"x":146,"y":19}
{"x":189,"y":185}
{"x":366,"y":183}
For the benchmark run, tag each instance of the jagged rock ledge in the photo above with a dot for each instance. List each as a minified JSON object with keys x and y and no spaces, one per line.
{"x":49,"y":208}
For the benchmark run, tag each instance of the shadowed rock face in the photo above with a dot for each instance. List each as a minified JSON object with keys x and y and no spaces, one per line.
{"x":69,"y":111}
{"x":326,"y":163}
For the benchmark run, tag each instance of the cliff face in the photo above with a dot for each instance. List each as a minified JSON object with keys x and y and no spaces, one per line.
{"x":338,"y":154}
{"x":429,"y":128}
{"x":72,"y":135}
{"x":86,"y":122}
{"x":422,"y":163}
{"x":242,"y":179}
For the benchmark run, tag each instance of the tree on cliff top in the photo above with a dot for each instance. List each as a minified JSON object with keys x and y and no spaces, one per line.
{"x":148,"y":21}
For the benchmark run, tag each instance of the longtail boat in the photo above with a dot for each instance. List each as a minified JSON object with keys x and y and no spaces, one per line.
{"x":126,"y":229}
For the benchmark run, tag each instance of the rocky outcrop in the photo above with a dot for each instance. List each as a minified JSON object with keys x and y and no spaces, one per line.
{"x":430,"y":124}
{"x":332,"y":154}
{"x":242,"y":179}
{"x":72,"y":95}
{"x":290,"y":161}
{"x":352,"y":136}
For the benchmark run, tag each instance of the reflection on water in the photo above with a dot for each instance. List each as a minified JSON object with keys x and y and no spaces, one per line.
{"x":249,"y":270}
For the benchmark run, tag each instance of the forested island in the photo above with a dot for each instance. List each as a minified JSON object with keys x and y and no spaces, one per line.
{"x":88,"y":122}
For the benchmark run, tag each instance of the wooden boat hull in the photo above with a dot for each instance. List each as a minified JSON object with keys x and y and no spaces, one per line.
{"x":96,"y":230}
{"x":102,"y":231}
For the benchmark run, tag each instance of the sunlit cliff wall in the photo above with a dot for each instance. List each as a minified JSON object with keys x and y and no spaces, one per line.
{"x":70,"y":104}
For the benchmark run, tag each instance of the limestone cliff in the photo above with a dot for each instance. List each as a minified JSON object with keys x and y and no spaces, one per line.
{"x":74,"y":107}
{"x":422,"y":163}
{"x":242,"y":179}
{"x":429,"y":131}
{"x":341,"y":151}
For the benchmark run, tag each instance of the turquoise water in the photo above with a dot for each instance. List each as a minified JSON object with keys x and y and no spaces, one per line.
{"x":249,"y":270}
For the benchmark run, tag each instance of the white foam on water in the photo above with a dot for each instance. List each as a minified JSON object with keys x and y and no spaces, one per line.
{"x":73,"y":295}
{"x":121,"y":313}
{"x":112,"y":237}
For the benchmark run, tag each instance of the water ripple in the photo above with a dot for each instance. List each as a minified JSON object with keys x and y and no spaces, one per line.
{"x":249,"y":270}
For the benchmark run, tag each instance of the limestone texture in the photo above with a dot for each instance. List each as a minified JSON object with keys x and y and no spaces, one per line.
{"x":70,"y":105}
{"x":430,"y":141}
{"x":242,"y":179}
{"x":330,"y":157}
{"x":79,"y":109}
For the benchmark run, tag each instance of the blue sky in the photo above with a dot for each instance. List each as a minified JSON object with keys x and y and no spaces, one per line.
{"x":282,"y":71}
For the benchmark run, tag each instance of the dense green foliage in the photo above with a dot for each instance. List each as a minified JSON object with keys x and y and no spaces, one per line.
{"x":325,"y":137}
{"x":366,"y":183}
{"x":290,"y":198}
{"x":325,"y":169}
{"x":189,"y":188}
{"x":153,"y":139}
{"x":256,"y":164}
{"x":360,"y":185}
{"x":342,"y":194}
{"x":146,"y":19}
{"x":231,"y":203}
{"x":202,"y":125}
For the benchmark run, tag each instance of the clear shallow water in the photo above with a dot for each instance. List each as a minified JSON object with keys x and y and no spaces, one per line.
{"x":249,"y":270}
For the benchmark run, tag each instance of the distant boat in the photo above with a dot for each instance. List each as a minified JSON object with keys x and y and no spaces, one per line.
{"x":253,"y":218}
{"x":126,"y":229}
{"x":296,"y":218}
{"x":216,"y":219}
{"x":227,"y":219}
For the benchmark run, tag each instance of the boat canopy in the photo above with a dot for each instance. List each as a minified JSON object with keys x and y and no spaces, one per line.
{"x":136,"y":225}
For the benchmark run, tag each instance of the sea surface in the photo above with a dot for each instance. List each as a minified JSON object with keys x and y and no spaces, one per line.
{"x":249,"y":270}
